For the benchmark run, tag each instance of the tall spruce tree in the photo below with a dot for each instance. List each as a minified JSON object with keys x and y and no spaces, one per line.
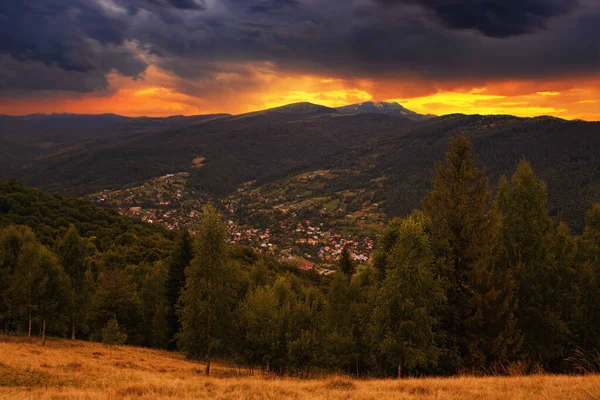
{"x":346,"y":264}
{"x":72,"y":251}
{"x":206,"y":302}
{"x":585,"y":326}
{"x":180,"y":259}
{"x":540,"y":275}
{"x":463,"y":220}
{"x":408,"y":302}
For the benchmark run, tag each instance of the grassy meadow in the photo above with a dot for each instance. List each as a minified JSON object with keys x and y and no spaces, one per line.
{"x":82,"y":370}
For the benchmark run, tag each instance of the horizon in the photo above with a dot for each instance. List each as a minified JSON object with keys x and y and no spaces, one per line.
{"x":284,"y":105}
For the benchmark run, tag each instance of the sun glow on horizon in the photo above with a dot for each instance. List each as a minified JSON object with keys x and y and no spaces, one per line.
{"x":159,"y":93}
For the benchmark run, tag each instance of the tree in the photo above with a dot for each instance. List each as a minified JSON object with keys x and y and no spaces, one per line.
{"x":386,"y":241}
{"x":111,"y":335}
{"x":52,"y":292}
{"x":346,"y":264}
{"x":540,"y":282}
{"x":116,"y":297}
{"x":409,"y":299}
{"x":12,"y":241}
{"x":72,"y":251}
{"x":180,"y":259}
{"x":465,"y":224}
{"x":206,"y":302}
{"x":260,"y":318}
{"x":155,"y":308}
{"x":584,"y":327}
{"x":25,"y":281}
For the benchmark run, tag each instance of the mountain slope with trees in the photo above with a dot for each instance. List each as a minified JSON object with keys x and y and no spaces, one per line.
{"x":389,"y":155}
{"x":473,"y":282}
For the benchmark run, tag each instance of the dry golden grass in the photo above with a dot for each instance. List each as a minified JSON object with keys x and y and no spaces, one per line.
{"x":81,"y":370}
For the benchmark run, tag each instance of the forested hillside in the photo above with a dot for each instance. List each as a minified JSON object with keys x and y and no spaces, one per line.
{"x":390,"y":156}
{"x":474,"y":281}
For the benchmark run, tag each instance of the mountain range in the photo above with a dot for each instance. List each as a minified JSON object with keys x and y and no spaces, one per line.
{"x":382,"y":153}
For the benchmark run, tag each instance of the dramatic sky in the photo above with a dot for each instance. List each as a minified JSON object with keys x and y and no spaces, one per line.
{"x":165,"y":57}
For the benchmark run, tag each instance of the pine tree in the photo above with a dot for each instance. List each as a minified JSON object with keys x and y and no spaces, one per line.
{"x":463,"y":220}
{"x":408,"y":302}
{"x":346,"y":264}
{"x":585,"y":326}
{"x":111,"y":335}
{"x":72,"y":251}
{"x":386,"y":241}
{"x":539,"y":275}
{"x":206,"y":302}
{"x":180,"y":260}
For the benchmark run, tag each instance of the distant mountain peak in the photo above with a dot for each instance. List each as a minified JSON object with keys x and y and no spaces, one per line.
{"x":383,"y":107}
{"x":302,"y":109}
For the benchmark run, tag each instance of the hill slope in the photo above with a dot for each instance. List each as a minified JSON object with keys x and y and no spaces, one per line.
{"x":388,"y":156}
{"x":70,"y":370}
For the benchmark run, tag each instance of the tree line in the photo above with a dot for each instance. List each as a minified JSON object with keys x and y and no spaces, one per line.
{"x":471,"y":282}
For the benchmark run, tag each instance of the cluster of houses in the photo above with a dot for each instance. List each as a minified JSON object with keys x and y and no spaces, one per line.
{"x":167,"y":201}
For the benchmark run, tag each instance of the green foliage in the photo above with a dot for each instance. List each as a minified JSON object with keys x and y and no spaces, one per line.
{"x":459,"y":206}
{"x":407,"y":305}
{"x":206,"y":302}
{"x":468,"y":283}
{"x":111,"y":334}
{"x":346,"y":264}
{"x":73,"y":252}
{"x":180,"y":260}
{"x":526,"y":234}
{"x":116,"y":297}
{"x":153,"y":301}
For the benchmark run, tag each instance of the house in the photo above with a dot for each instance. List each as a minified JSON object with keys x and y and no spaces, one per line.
{"x":307,"y":266}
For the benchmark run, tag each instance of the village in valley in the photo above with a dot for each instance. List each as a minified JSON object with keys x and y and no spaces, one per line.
{"x":297,"y":219}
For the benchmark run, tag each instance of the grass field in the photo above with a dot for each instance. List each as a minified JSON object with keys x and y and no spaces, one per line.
{"x":82,"y":370}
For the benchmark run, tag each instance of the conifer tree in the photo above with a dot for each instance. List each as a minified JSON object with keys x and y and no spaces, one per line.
{"x":386,"y":241}
{"x":111,"y":335}
{"x":585,"y":326}
{"x":206,"y":302}
{"x":462,"y":218}
{"x":180,"y":259}
{"x":409,"y":299}
{"x":540,"y":279}
{"x":72,"y":251}
{"x":346,"y":264}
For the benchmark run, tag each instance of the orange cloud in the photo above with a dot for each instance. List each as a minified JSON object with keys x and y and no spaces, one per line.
{"x":257,"y":86}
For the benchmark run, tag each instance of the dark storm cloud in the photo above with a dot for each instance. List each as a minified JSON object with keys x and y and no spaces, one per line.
{"x":268,"y":6}
{"x":74,"y":44}
{"x":495,"y":18}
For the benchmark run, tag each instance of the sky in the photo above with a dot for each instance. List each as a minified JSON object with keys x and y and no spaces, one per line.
{"x":168,"y":57}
